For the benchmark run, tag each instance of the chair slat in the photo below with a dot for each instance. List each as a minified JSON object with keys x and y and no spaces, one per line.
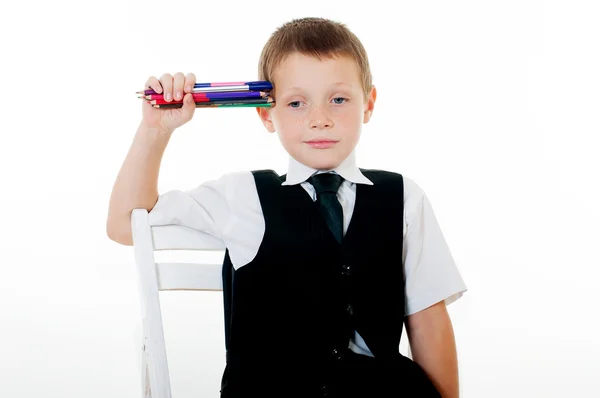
{"x":189,"y":276}
{"x":177,"y":237}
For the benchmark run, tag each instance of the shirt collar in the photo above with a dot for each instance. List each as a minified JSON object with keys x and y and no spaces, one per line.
{"x":298,"y":172}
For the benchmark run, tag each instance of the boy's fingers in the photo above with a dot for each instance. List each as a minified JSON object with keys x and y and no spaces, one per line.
{"x":154,"y":84}
{"x":190,"y":80}
{"x":167,"y":83}
{"x":178,"y":80}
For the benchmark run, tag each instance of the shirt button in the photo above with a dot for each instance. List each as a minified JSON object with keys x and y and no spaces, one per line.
{"x":346,"y":269}
{"x":350,"y":309}
{"x":336,"y":354}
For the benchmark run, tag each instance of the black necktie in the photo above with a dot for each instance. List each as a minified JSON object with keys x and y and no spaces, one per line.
{"x":327,"y":185}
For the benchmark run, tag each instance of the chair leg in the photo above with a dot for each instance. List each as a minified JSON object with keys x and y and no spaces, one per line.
{"x":146,"y":393}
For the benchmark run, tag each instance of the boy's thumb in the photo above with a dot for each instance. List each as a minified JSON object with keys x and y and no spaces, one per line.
{"x":188,"y":102}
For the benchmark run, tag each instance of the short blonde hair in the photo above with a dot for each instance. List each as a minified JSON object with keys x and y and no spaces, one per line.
{"x":317,"y":37}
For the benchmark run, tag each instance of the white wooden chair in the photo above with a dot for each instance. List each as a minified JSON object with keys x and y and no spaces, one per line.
{"x":154,"y":277}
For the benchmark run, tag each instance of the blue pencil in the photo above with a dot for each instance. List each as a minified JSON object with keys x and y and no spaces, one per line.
{"x":224,"y":87}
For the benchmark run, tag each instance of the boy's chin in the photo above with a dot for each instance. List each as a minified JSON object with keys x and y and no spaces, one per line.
{"x":322,"y":161}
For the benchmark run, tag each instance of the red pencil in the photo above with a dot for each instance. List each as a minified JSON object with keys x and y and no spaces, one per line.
{"x":162,"y":101}
{"x":251,"y":94}
{"x":213,"y":101}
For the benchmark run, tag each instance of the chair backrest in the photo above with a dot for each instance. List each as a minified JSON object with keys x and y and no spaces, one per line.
{"x":154,"y":277}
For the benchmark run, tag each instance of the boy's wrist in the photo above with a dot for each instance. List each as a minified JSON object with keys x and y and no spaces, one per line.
{"x":152,"y":137}
{"x":154,"y":133}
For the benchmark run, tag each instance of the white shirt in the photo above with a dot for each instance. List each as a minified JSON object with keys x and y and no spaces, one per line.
{"x":229,"y":209}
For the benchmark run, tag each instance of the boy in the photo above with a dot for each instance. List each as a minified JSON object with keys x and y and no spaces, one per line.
{"x":325,"y":263}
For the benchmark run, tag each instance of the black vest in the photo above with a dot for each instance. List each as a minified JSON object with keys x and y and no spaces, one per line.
{"x":291,"y":311}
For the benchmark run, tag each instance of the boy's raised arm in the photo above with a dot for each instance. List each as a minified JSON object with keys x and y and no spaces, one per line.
{"x":136,"y":185}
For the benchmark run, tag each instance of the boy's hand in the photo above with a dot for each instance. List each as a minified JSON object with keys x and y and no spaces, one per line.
{"x":173,"y":88}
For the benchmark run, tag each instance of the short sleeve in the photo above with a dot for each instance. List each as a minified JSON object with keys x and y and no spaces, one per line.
{"x":220,"y":208}
{"x":431,"y":274}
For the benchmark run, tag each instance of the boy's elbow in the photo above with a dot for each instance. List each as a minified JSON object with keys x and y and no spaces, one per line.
{"x":119,"y":234}
{"x":124,"y":239}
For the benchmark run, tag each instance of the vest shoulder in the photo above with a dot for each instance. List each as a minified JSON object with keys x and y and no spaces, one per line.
{"x":264,"y":171}
{"x":377,"y":175}
{"x":267,"y":174}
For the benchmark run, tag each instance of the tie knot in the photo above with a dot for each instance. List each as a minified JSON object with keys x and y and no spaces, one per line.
{"x":326,"y":182}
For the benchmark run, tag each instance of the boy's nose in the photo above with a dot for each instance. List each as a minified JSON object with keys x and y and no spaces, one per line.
{"x":321,"y":124}
{"x":320,"y":120}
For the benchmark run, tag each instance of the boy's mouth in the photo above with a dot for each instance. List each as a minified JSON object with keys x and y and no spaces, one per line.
{"x":321,"y":143}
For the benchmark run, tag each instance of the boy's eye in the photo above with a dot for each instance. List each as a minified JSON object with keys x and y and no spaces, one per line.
{"x":295,"y":104}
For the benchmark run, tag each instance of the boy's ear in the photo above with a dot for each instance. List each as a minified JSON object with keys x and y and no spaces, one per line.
{"x":265,"y":117}
{"x":370,"y":105}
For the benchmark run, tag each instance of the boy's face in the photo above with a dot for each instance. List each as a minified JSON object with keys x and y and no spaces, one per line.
{"x":320,"y":108}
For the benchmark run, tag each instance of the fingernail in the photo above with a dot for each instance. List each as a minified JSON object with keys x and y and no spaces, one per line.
{"x":168,"y":96}
{"x":188,"y":88}
{"x":178,"y":95}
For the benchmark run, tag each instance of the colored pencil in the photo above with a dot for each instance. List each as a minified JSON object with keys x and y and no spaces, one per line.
{"x":221,"y":101}
{"x":196,"y":96}
{"x":223,"y":87}
{"x":216,"y":101}
{"x":162,"y":101}
{"x":221,"y":84}
{"x":225,"y":84}
{"x":223,"y":105}
{"x":242,"y":101}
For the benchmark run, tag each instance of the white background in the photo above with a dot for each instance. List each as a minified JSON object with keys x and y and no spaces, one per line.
{"x":492,"y":107}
